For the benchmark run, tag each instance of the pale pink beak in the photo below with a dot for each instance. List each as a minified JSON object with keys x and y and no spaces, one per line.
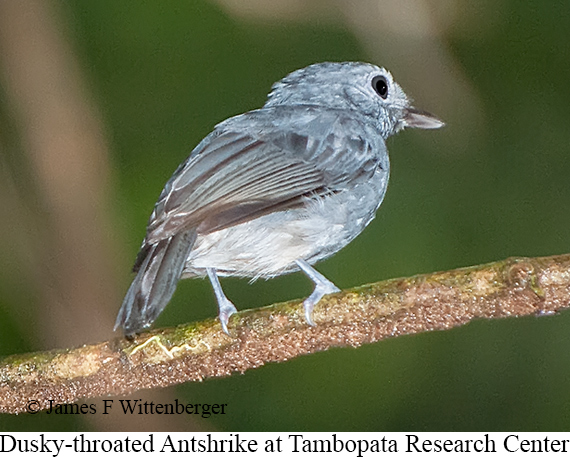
{"x":421,"y":119}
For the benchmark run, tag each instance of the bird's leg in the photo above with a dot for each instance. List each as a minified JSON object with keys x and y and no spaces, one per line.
{"x":226,"y":308}
{"x":322,"y":287}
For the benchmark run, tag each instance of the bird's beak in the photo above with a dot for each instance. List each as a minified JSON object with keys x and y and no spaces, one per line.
{"x":420,"y":119}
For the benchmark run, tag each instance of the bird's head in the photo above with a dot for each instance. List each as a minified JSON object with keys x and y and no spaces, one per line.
{"x":362,"y":87}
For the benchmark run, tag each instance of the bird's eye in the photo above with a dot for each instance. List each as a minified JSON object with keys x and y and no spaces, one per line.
{"x":380,"y":85}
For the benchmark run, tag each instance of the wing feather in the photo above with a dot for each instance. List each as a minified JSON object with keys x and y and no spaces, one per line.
{"x":251,"y":165}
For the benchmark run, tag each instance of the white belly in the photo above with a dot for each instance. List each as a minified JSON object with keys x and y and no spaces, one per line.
{"x":269,"y":245}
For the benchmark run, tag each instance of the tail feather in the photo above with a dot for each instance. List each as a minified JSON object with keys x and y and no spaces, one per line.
{"x":155,"y":282}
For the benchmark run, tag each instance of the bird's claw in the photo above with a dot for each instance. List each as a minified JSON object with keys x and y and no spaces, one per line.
{"x":226,"y":309}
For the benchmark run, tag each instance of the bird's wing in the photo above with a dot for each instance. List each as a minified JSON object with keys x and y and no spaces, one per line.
{"x":264,"y":161}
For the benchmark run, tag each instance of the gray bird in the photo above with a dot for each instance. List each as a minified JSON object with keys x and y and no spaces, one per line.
{"x":274,"y":190}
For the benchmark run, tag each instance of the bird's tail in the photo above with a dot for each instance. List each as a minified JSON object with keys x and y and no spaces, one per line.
{"x":159,"y":267}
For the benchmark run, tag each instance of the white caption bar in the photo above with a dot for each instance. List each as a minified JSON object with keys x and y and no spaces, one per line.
{"x":290,"y":443}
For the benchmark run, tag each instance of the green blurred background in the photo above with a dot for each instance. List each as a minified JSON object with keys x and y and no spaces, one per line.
{"x":100,"y":102}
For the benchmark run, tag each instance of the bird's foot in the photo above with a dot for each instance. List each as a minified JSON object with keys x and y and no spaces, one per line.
{"x":226,"y":309}
{"x":322,"y":287}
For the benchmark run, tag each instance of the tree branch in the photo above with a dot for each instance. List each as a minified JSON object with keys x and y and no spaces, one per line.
{"x":192,"y":352}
